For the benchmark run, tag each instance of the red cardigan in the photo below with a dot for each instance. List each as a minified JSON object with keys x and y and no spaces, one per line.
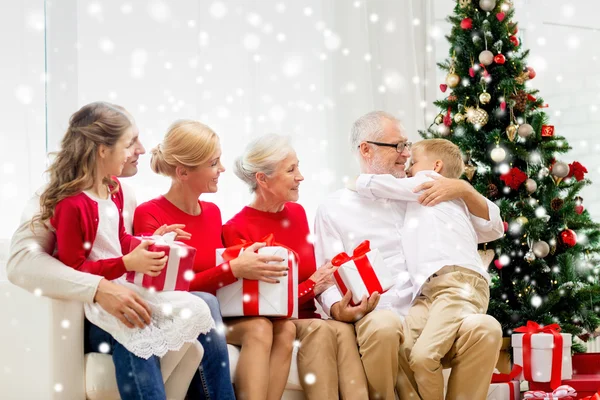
{"x":75,"y":220}
{"x":206,"y":238}
{"x":290,"y":228}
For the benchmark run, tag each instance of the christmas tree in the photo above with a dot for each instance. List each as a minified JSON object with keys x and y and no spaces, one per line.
{"x":544,"y":269}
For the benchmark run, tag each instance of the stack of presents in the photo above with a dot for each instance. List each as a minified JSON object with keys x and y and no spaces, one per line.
{"x":542,"y":364}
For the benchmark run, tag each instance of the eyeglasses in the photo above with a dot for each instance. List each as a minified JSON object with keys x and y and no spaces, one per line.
{"x":398,"y":146}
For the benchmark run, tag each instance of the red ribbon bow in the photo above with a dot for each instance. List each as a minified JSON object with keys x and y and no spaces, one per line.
{"x":249,"y":286}
{"x":363,"y":266}
{"x":509,"y":379}
{"x":557,"y":352}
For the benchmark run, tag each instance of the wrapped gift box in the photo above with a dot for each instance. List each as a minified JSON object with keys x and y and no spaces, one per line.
{"x":251,"y":298}
{"x":363,"y":274}
{"x":586,"y":363}
{"x":504,"y":391}
{"x":542,"y":345}
{"x":179,"y":271}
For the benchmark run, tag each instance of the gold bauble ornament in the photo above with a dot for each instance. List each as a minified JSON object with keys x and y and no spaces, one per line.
{"x":511,"y":132}
{"x":470,"y":171}
{"x":477,"y":116}
{"x":485,"y":98}
{"x":452,"y":80}
{"x":439,"y":119}
{"x":522,"y":220}
{"x":464,"y":3}
{"x":458,"y":118}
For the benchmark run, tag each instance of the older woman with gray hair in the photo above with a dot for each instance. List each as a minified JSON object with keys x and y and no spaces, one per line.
{"x":328,"y":350}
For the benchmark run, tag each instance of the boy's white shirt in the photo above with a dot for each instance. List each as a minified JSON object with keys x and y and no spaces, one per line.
{"x":432,"y":237}
{"x":31,"y":265}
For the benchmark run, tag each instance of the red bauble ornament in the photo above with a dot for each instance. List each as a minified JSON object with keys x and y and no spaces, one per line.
{"x":498,"y":264}
{"x":466,"y":23}
{"x":505,"y":224}
{"x":472,"y":72}
{"x":579,"y":209}
{"x":500,"y":16}
{"x":531,"y":72}
{"x":443,"y":87}
{"x":503,"y":106}
{"x":499,"y":59}
{"x":568,"y":237}
{"x":514,"y":40}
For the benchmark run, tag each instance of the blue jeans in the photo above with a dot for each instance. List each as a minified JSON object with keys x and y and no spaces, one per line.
{"x":213,"y":380}
{"x":139,"y":379}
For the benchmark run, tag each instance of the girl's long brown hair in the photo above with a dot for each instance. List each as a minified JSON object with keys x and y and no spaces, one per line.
{"x":74,"y":168}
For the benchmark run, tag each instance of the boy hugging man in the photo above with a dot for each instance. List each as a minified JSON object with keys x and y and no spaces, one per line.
{"x":440,"y":246}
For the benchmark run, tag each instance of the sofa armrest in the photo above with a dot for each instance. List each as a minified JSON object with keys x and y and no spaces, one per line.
{"x":41,"y":343}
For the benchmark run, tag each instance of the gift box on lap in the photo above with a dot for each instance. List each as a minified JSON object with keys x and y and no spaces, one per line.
{"x":252,"y":298}
{"x":544,"y":353}
{"x":363,"y":274}
{"x":179,"y":271}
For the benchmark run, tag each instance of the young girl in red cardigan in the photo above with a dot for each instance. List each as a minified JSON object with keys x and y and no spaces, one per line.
{"x":83,"y":202}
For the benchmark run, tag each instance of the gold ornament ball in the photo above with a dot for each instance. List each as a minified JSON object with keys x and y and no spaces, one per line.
{"x":477,"y":116}
{"x":452,"y":80}
{"x":522,"y":220}
{"x":458,"y":118}
{"x":525,"y":130}
{"x":439,"y":119}
{"x":485,"y":97}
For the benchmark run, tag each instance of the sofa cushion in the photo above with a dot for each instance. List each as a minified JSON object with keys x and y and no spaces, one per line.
{"x":293,"y":382}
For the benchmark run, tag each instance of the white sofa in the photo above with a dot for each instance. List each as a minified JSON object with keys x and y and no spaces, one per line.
{"x":41,"y":353}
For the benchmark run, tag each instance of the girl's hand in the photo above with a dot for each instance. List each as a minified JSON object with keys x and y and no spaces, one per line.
{"x":144,"y":261}
{"x":177,"y":228}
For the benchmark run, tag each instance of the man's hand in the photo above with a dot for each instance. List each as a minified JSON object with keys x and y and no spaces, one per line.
{"x":123,"y":303}
{"x":345,"y":312}
{"x":442,"y":189}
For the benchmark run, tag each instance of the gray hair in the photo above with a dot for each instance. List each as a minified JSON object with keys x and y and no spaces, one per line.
{"x":262,"y":155}
{"x":369,"y":127}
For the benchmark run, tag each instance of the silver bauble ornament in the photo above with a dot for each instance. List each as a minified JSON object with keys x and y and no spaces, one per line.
{"x":530,"y":185}
{"x":498,"y":154}
{"x":560,"y":169}
{"x":525,"y":130}
{"x":486,"y":57}
{"x":541,"y":249}
{"x":544,"y":172}
{"x":487,"y":5}
{"x":529,"y":256}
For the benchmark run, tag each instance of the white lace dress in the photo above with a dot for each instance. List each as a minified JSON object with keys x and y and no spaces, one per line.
{"x":177,"y":317}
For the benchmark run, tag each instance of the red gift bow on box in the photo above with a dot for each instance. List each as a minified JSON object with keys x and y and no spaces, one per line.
{"x":250,"y":286}
{"x":363,"y":266}
{"x":508,"y":378}
{"x":557,"y":352}
{"x":564,"y":392}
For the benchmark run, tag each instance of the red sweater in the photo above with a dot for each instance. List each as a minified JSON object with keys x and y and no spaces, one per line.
{"x":206,"y":238}
{"x":76,"y":223}
{"x":290,"y":228}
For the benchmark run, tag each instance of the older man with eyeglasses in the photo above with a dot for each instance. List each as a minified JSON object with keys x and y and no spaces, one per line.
{"x":346,"y":218}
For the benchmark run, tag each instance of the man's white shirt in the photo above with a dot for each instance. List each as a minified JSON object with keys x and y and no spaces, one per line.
{"x":346,"y":218}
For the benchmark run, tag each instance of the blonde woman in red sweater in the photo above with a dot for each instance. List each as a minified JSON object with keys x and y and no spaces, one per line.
{"x":190,"y":154}
{"x":328,"y":350}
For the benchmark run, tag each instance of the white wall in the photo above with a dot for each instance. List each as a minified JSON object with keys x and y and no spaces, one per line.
{"x":22,"y":111}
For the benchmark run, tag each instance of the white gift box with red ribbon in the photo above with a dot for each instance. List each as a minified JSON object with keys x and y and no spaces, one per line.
{"x":179,"y":271}
{"x":253,"y":298}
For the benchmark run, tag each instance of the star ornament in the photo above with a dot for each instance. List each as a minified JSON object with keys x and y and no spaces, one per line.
{"x":514,"y":178}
